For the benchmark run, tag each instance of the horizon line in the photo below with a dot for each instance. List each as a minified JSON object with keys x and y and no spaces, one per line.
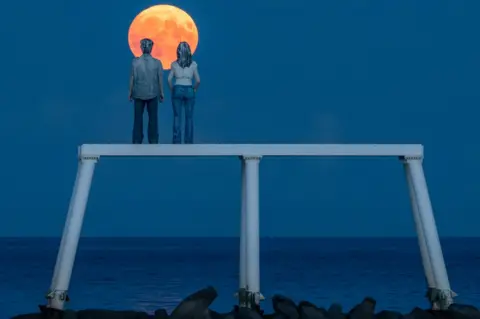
{"x":232,"y":237}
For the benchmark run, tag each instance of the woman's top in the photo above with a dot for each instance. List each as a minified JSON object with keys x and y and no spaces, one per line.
{"x":183,"y":76}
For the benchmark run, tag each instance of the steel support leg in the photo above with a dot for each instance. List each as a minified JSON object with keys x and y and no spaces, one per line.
{"x":71,"y":235}
{"x":243,"y":241}
{"x":65,"y":230}
{"x":252,"y":221}
{"x":427,"y":265}
{"x":441,"y":295}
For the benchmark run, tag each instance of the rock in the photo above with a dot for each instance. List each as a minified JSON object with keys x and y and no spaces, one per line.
{"x":216,"y":315}
{"x":308,"y":310}
{"x":285,"y":306}
{"x":196,"y":305}
{"x":418,"y":313}
{"x":160,"y":314}
{"x":110,"y":314}
{"x":335,"y":311}
{"x":37,"y":315}
{"x":468,"y":310}
{"x":247,"y":313}
{"x":387,"y":314}
{"x":50,"y":313}
{"x":69,"y":314}
{"x":269,"y":316}
{"x":450,"y":314}
{"x":227,"y":315}
{"x":364,"y":310}
{"x":231,"y":315}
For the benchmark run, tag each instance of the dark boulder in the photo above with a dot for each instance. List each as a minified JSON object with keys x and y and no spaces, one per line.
{"x":37,"y":315}
{"x":247,"y":313}
{"x":196,"y":305}
{"x":160,"y":314}
{"x":48,"y":313}
{"x":69,"y":314}
{"x":335,"y":311}
{"x":468,"y":310}
{"x":285,"y":306}
{"x":418,"y":313}
{"x":387,"y":314}
{"x":212,"y":314}
{"x":111,"y":314}
{"x":231,"y":315}
{"x":364,"y":310}
{"x":308,"y":310}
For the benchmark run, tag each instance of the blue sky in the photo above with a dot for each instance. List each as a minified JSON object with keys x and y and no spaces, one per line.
{"x":273,"y":71}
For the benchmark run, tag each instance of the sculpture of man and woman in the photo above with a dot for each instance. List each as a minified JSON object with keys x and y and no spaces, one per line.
{"x":146,"y":91}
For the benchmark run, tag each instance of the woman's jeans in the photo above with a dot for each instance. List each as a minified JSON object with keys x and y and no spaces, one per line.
{"x":183,"y":99}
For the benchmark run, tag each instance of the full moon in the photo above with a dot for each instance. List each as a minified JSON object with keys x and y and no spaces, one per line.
{"x":166,"y":26}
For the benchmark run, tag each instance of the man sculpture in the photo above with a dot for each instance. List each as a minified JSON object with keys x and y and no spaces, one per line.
{"x":146,"y":89}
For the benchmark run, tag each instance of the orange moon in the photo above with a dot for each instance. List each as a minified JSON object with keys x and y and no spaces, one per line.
{"x":167,"y":26}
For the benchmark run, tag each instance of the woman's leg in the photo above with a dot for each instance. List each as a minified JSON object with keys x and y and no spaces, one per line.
{"x":177,"y":119}
{"x":189,"y":107}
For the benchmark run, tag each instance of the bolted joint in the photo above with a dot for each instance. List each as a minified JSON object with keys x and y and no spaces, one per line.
{"x":407,"y":159}
{"x":251,"y":157}
{"x":60,"y":295}
{"x":249,"y":299}
{"x":86,"y":157}
{"x":89,"y":158}
{"x":440,"y":299}
{"x":242,"y":297}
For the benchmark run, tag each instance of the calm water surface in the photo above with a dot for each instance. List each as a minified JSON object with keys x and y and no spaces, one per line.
{"x":151,"y":273}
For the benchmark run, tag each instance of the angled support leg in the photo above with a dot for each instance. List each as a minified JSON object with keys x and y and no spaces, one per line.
{"x":243,"y":241}
{"x":252,"y":295}
{"x":427,"y":265}
{"x":441,"y":296}
{"x":65,"y":230}
{"x":58,"y":293}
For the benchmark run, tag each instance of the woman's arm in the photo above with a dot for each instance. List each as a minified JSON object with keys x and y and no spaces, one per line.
{"x":170,"y":77}
{"x":196,"y":75}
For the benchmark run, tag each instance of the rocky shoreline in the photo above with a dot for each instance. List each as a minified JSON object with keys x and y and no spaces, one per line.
{"x":196,"y":306}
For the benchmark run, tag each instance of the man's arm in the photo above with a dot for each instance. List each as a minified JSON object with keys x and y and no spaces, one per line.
{"x":130,"y":91}
{"x":160,"y":79}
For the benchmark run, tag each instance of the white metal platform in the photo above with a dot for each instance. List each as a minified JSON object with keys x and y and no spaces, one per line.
{"x":440,"y":296}
{"x":93,"y":150}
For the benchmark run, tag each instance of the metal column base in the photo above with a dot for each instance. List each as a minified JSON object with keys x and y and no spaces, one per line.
{"x":249,"y":299}
{"x":59,"y":295}
{"x":440,"y":299}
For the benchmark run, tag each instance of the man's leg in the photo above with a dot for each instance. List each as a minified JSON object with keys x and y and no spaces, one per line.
{"x":177,"y":104}
{"x":138,"y":107}
{"x":189,"y":107}
{"x":152,"y":109}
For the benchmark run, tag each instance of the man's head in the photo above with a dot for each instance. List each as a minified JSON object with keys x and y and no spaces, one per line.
{"x":146,"y":45}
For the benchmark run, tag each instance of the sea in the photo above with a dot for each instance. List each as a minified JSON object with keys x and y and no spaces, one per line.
{"x":150,"y":273}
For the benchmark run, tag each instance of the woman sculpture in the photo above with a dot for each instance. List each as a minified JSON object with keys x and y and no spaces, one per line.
{"x":184,"y":70}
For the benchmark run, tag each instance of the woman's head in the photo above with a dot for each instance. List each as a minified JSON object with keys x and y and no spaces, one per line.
{"x":146,"y":45}
{"x":184,"y":55}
